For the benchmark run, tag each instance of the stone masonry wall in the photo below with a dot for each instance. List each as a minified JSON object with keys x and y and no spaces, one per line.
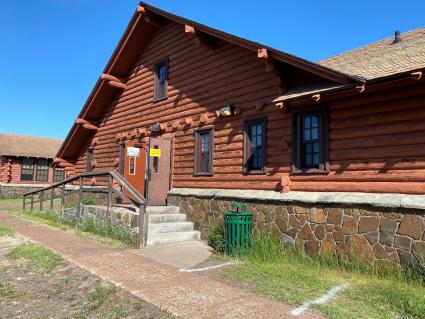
{"x":16,"y":191}
{"x":384,"y":237}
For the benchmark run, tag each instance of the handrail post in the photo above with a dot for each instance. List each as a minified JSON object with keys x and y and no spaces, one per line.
{"x":80,"y":197}
{"x":109,"y":195}
{"x":51,"y":198}
{"x":62,"y":200}
{"x":32,"y":202}
{"x":23,"y":203}
{"x":41,"y":200}
{"x":142,"y":231}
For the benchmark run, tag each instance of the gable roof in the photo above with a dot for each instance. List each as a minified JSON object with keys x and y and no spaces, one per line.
{"x":383,"y":58}
{"x":137,"y":33}
{"x":28,"y":146}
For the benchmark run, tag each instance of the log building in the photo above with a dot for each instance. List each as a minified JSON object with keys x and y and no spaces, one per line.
{"x":196,"y":117}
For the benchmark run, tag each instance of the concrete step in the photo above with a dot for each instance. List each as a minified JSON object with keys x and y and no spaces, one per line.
{"x":175,"y":237}
{"x":166,"y":218}
{"x":170,"y":227}
{"x":163,"y":209}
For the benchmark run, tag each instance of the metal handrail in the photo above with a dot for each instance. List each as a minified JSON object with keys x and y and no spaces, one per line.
{"x":133,"y":195}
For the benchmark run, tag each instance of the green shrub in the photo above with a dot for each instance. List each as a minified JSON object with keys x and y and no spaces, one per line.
{"x":104,"y":228}
{"x":215,"y":237}
{"x":89,"y":200}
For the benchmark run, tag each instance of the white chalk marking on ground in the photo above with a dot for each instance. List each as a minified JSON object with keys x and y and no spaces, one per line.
{"x":326,"y":297}
{"x":210,"y":267}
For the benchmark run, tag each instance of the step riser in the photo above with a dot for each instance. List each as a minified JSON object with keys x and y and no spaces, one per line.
{"x":166,"y":218}
{"x":163,"y":210}
{"x":170,"y":227}
{"x":173,"y":238}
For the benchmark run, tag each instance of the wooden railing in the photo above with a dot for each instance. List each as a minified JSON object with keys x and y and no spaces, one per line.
{"x":125,"y":191}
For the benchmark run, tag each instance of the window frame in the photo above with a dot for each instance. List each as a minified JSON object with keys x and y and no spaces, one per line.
{"x":247,"y":145}
{"x":322,"y":113}
{"x":32,"y":169}
{"x":197,"y":152}
{"x":156,"y":94}
{"x":45,"y":171}
{"x":58,"y":169}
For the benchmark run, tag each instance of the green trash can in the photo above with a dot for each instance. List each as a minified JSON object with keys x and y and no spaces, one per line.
{"x":237,"y":228}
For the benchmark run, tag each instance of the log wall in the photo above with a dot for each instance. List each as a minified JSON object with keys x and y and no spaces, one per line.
{"x":377,"y":141}
{"x":10,"y":172}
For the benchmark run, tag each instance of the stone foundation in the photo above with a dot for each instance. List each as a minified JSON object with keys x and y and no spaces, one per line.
{"x":17,"y":190}
{"x":382,"y":232}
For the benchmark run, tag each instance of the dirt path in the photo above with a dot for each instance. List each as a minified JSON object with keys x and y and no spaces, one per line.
{"x":182,"y":294}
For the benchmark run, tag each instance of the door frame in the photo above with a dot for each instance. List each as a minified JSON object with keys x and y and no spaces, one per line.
{"x":148,"y":164}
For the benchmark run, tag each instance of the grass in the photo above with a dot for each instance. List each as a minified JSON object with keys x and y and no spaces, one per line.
{"x":6,"y":231}
{"x":52,"y":219}
{"x":96,"y":300}
{"x":35,"y":256}
{"x":271,"y":269}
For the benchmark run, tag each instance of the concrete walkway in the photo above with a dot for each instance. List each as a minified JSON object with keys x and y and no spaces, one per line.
{"x":182,"y":294}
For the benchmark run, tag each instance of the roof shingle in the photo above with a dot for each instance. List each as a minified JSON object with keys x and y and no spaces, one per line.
{"x":30,"y":146}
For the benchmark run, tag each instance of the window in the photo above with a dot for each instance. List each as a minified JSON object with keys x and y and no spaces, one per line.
{"x":58,"y":174}
{"x":255,"y":146}
{"x":156,"y":161}
{"x":132,"y":165}
{"x":310,"y":154}
{"x":90,"y":158}
{"x":161,"y":81}
{"x":204,"y":145}
{"x":27,"y":171}
{"x":42,"y":172}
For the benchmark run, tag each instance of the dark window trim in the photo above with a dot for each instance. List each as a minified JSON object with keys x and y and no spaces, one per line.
{"x":55,"y":175}
{"x":22,"y":168}
{"x":90,"y":158}
{"x":121,"y":158}
{"x":156,"y":97}
{"x":44,"y":170}
{"x":247,"y":145}
{"x":323,"y":113}
{"x":197,"y":157}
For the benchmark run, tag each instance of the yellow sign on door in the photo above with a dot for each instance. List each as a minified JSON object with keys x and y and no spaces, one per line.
{"x":154,"y":152}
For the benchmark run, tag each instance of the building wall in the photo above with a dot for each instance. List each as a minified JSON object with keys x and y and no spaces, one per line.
{"x":385,"y":236}
{"x":376,"y":139}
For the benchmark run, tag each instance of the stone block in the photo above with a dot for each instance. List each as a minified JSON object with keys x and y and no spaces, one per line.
{"x":335,"y":216}
{"x":368,"y":223}
{"x":301,"y":210}
{"x":412,"y":226}
{"x":329,"y":245}
{"x":292,"y":232}
{"x":387,"y":230}
{"x":306,"y":233}
{"x":320,"y":232}
{"x":338,"y":236}
{"x":406,"y":258}
{"x":380,"y":251}
{"x":330,"y":228}
{"x":402,"y":242}
{"x":361,"y":249}
{"x":317,"y":215}
{"x":372,"y":236}
{"x":281,"y":223}
{"x":294,"y":222}
{"x":312,"y":247}
{"x":288,"y":241}
{"x":418,"y":250}
{"x":385,"y":264}
{"x":349,"y":225}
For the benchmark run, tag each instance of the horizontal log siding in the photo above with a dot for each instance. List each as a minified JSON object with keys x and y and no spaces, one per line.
{"x":376,"y":142}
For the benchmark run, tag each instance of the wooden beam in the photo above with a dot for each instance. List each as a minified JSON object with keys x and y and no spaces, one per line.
{"x":148,"y":18}
{"x":200,"y":39}
{"x":316,"y":97}
{"x":361,"y":88}
{"x":86,"y":124}
{"x":281,"y":106}
{"x":417,"y":75}
{"x":117,"y":85}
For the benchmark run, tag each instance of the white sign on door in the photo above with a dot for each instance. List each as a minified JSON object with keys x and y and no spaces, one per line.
{"x":133,"y":151}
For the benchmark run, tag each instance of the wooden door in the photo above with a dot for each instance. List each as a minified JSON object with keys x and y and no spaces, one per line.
{"x":159,"y":170}
{"x":135,"y":165}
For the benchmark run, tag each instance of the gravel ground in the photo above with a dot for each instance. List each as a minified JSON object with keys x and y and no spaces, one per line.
{"x":64,"y":292}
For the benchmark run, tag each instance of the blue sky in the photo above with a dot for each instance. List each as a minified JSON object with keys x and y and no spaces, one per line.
{"x":53,"y":51}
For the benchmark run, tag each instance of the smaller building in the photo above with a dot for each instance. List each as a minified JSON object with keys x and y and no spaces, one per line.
{"x":26,"y":164}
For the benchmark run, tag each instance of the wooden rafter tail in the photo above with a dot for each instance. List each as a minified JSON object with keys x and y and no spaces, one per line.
{"x":416,"y":75}
{"x":117,"y":85}
{"x":361,"y":88}
{"x":263,"y":53}
{"x":200,"y":38}
{"x":316,"y":97}
{"x":109,"y":77}
{"x":90,"y":127}
{"x":148,"y":18}
{"x":58,"y":160}
{"x":281,"y":106}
